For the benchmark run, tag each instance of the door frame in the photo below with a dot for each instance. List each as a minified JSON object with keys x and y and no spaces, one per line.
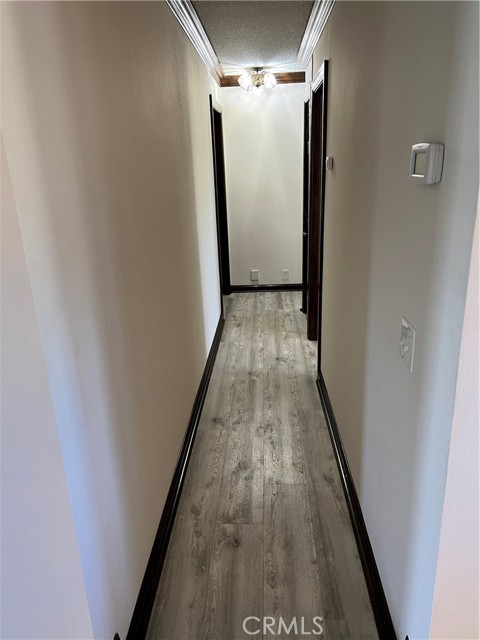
{"x":318,"y":149}
{"x":216,"y":123}
{"x":306,"y":181}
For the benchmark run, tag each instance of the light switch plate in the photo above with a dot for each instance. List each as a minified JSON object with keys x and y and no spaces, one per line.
{"x":286,"y":275}
{"x":254,"y":275}
{"x":407,"y":343}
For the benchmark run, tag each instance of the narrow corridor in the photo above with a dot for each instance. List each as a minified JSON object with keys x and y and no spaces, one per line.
{"x":262,"y":527}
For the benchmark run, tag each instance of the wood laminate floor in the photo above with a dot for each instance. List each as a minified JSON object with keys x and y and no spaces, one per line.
{"x":263,"y":527}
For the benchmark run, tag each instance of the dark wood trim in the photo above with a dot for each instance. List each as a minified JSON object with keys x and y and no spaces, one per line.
{"x":306,"y":181}
{"x":146,"y":597}
{"x":321,"y":242}
{"x":245,"y":288}
{"x":216,"y":122}
{"x":116,"y":637}
{"x":314,"y":214}
{"x":229,"y":81}
{"x":318,"y":141}
{"x":378,"y":600}
{"x":294,"y":77}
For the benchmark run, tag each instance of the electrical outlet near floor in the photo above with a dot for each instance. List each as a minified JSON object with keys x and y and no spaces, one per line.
{"x":254,"y":275}
{"x":285,"y":275}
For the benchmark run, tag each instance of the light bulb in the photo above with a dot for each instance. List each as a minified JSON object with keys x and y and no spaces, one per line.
{"x":245,"y":81}
{"x":269,"y":80}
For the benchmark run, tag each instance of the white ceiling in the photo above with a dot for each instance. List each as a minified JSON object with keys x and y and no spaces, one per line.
{"x":250,"y":33}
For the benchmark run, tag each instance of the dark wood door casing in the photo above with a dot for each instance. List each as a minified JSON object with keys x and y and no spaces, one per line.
{"x":318,"y":149}
{"x":220,"y":199}
{"x":316,"y":145}
{"x":322,"y":214}
{"x":306,"y":180}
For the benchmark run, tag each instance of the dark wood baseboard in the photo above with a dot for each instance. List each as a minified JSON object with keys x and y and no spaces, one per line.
{"x":146,"y":597}
{"x":381,"y":612}
{"x":246,"y":288}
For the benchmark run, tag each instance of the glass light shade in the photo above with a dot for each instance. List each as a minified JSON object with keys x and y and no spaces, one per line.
{"x":269,"y":80}
{"x":245,"y":81}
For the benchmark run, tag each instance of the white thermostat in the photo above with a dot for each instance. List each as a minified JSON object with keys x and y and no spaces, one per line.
{"x":426,"y":163}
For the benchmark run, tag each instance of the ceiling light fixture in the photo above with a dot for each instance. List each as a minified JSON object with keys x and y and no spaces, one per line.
{"x":257,"y":78}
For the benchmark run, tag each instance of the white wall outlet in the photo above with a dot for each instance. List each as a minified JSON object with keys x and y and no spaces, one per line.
{"x":407,"y":343}
{"x":254,"y":275}
{"x":285,"y":275}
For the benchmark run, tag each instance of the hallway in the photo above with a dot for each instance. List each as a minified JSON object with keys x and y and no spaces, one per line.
{"x":262,"y":528}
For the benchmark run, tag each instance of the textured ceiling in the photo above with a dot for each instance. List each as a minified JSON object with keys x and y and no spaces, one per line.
{"x":254,"y":32}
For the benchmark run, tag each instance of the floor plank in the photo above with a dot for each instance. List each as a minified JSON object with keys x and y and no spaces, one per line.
{"x":241,"y":499}
{"x":292,"y":585}
{"x":353,"y":629}
{"x":237,"y":562}
{"x":283,"y":451}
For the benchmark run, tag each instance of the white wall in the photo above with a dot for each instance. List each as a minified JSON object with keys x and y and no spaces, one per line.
{"x":41,"y":574}
{"x":263,"y":138}
{"x":400,"y":73}
{"x":107,"y":135}
{"x":456,"y":604}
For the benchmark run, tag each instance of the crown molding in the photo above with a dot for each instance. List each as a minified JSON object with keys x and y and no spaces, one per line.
{"x":190,"y":22}
{"x":315,"y":25}
{"x":186,"y":15}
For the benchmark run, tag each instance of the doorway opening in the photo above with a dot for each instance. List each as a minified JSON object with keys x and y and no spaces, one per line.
{"x":220,"y":199}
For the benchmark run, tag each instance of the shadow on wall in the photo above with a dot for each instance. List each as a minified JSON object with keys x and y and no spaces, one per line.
{"x":349,"y":213}
{"x":422,"y":228}
{"x":395,"y":249}
{"x":108,"y":210}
